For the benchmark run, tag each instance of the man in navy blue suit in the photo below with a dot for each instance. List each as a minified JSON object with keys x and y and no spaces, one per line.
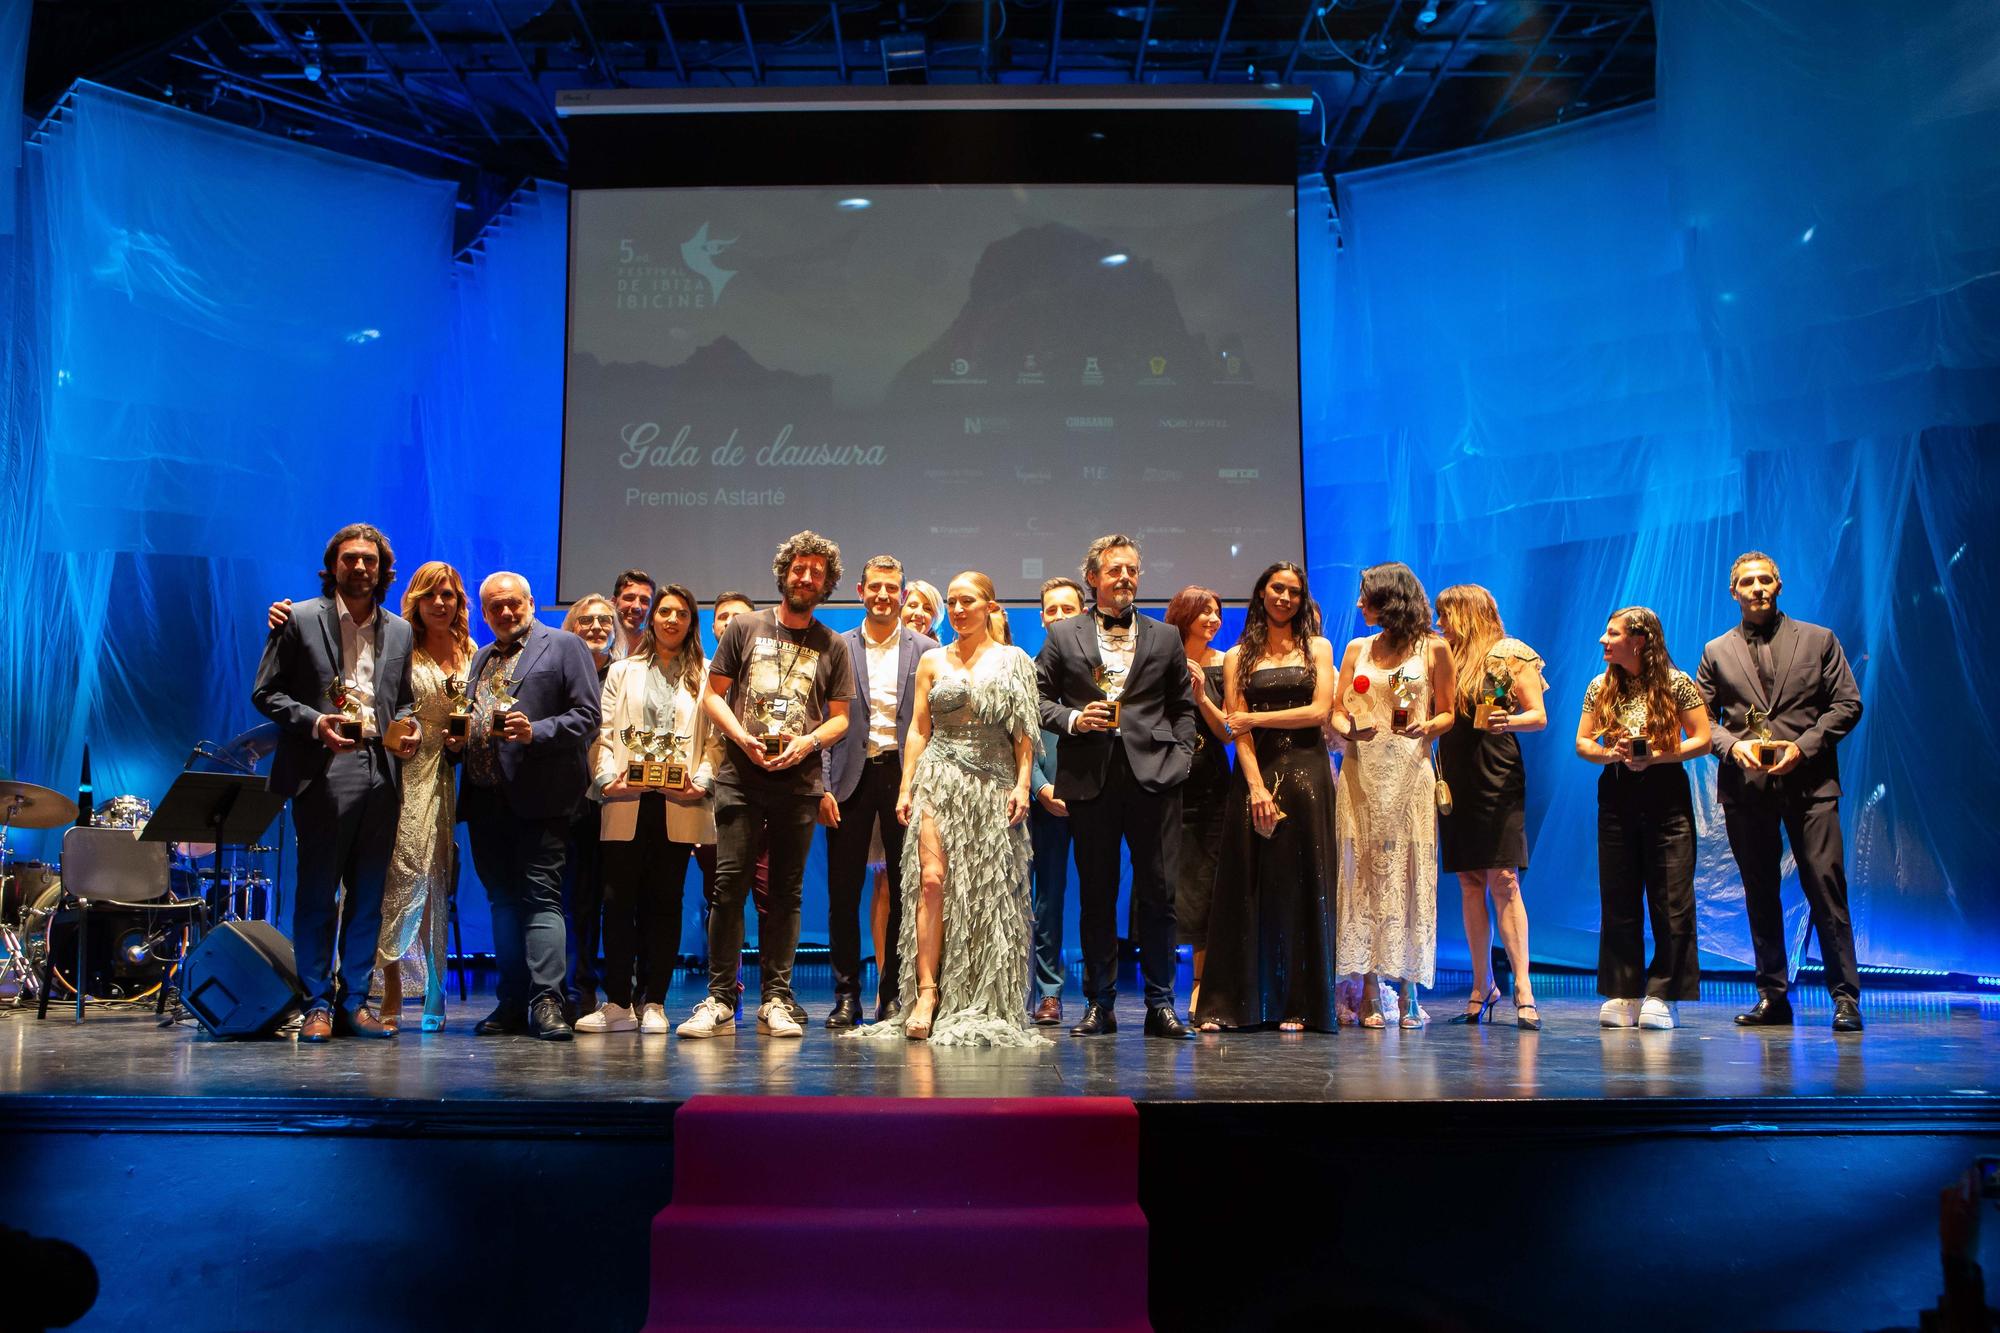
{"x":334,"y":676}
{"x":526,"y":770}
{"x":864,"y":771}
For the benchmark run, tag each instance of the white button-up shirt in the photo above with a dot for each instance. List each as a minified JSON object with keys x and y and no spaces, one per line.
{"x":357,"y":664}
{"x":885,"y":686}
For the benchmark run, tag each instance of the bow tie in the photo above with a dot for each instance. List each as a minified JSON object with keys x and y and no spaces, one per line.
{"x":1110,"y":621}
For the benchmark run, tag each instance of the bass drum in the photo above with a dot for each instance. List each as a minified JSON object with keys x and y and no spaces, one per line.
{"x":22,"y":883}
{"x":114,"y":929}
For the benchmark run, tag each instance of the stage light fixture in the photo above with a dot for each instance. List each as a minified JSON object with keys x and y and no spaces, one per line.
{"x":1428,"y":14}
{"x":854,"y":205}
{"x":1113,"y":261}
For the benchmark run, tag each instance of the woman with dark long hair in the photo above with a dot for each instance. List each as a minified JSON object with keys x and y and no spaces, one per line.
{"x":1395,"y":697}
{"x":649,"y":833}
{"x":1271,"y":924}
{"x":1643,"y":719}
{"x":1483,"y":840}
{"x":1197,"y":613}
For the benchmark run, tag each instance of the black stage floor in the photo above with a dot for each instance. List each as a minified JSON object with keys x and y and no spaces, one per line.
{"x":1486,"y":1178}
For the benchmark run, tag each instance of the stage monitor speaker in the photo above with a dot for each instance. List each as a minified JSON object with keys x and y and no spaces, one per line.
{"x":240,"y":981}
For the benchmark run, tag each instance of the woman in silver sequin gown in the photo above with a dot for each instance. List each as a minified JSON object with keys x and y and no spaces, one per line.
{"x":966,"y":915}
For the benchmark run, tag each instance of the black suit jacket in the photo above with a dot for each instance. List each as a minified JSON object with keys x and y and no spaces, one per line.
{"x":1157,"y":719}
{"x":300,"y":664}
{"x":1814,"y":703}
{"x":555,"y":684}
{"x":843,"y":762}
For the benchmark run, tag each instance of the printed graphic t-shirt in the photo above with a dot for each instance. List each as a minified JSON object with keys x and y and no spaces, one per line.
{"x":784,"y":680}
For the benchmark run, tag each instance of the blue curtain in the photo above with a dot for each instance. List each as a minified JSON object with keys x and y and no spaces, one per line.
{"x":1588,"y":367}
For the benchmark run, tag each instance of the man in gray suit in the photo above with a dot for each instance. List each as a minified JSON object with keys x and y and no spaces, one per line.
{"x":334,"y":676}
{"x":1780,"y":696}
{"x":864,"y":771}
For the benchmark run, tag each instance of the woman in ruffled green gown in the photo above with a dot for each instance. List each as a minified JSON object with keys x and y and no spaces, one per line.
{"x":967,"y":919}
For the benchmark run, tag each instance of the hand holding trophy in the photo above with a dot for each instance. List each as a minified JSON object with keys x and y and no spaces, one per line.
{"x":774,"y":712}
{"x":458,"y":725}
{"x":1111,"y":684}
{"x":1405,"y":689}
{"x":1769,"y":752}
{"x":1492,"y":706}
{"x":501,"y":690}
{"x":341,"y":696}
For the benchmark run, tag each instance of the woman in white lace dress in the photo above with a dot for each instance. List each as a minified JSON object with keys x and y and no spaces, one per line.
{"x":1393,"y":699}
{"x":967,"y":921}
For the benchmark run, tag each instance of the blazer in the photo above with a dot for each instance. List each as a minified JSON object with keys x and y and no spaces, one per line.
{"x":842,"y":762}
{"x":300,"y":664}
{"x":555,"y":684}
{"x":1157,"y":720}
{"x":1814,"y":703}
{"x":624,"y":705}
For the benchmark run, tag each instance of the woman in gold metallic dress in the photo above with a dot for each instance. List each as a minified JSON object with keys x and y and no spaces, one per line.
{"x":416,"y":902}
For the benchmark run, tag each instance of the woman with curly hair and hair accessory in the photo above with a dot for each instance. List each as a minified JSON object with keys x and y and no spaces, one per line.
{"x":1396,"y":695}
{"x":1642,"y":720}
{"x":1483,"y":840}
{"x":1270,"y":928}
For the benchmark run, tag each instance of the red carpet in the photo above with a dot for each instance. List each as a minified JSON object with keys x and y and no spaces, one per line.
{"x":882,"y":1213}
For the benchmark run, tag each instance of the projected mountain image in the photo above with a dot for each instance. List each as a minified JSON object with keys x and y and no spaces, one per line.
{"x":720,"y":372}
{"x":1045,"y":308}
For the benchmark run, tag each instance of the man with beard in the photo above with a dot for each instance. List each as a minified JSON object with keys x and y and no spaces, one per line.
{"x":778,"y":687}
{"x":526,"y":772}
{"x":1114,"y":687}
{"x":632,"y":597}
{"x":864,"y":771}
{"x":333,"y":677}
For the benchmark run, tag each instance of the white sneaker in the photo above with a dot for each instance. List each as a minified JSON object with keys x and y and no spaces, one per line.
{"x":653,"y":1020}
{"x":611,"y":1018}
{"x":1659,"y":1015}
{"x":775,"y":1020}
{"x":1618,"y":1014}
{"x":711,"y":1019}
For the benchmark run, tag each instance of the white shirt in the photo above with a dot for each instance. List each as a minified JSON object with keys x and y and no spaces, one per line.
{"x":357,"y":664}
{"x":885,"y":685}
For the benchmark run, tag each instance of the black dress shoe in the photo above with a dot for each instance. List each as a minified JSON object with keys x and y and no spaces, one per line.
{"x":885,"y":1008}
{"x":846,"y":1012}
{"x":1769,"y":1012}
{"x":1846,"y":1016}
{"x":1098,"y":1021}
{"x":1164,"y":1022}
{"x":548,"y":1021}
{"x":501,"y":1022}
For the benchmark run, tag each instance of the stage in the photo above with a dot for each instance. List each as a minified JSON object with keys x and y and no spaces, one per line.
{"x":1440,"y":1173}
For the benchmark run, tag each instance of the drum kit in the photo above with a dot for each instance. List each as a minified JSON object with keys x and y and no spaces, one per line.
{"x":132,"y":955}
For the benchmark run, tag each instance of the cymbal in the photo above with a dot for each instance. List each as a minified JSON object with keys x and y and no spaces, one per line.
{"x":34,"y":807}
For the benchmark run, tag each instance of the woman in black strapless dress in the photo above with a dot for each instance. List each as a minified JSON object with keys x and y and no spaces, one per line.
{"x":1484,"y":838}
{"x":1270,"y":926}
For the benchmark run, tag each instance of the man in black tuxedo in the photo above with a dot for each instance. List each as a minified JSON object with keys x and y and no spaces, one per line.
{"x":526,"y":771}
{"x":1119,"y":770}
{"x":863,"y":773}
{"x":342,"y":657}
{"x":1786,"y":683}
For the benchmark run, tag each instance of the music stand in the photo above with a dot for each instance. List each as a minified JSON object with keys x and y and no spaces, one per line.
{"x":225,"y":809}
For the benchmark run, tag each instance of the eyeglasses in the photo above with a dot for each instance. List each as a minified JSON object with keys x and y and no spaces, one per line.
{"x":597,"y":620}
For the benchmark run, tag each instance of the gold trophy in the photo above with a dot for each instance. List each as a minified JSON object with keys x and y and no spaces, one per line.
{"x":1492,"y":703}
{"x":1111,"y":684}
{"x":502,"y":691}
{"x":673,"y":768}
{"x":1641,"y":747}
{"x":1405,"y":690}
{"x":342,"y":698}
{"x":1768,"y":750}
{"x":773,"y":712}
{"x":639,"y":745}
{"x":459,"y":724}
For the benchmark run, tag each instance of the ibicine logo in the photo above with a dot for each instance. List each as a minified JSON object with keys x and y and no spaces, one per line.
{"x":698,"y":252}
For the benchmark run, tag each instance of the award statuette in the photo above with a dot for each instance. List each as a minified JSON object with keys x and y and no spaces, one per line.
{"x":638,"y":744}
{"x":1641,"y":747}
{"x":342,"y":698}
{"x":1112,"y":685}
{"x":1493,"y":698}
{"x":673,"y":768}
{"x":502,"y":691}
{"x":1405,"y":690}
{"x":459,"y":724}
{"x":1768,"y":751}
{"x":773,"y":713}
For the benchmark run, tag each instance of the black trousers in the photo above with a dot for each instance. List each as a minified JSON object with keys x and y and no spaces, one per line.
{"x":1645,"y":869}
{"x":874,"y":799}
{"x":748,"y":825}
{"x":643,"y":882}
{"x":583,"y":910}
{"x":346,"y":825}
{"x":520,"y":861}
{"x":1813,"y":826}
{"x":1149,"y":824}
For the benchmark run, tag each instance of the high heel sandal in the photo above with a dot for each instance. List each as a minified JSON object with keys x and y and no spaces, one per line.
{"x":1521,"y":1020}
{"x":1478,"y":1015}
{"x":914,"y":1030}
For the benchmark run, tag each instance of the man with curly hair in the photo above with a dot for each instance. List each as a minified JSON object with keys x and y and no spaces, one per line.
{"x":778,"y":687}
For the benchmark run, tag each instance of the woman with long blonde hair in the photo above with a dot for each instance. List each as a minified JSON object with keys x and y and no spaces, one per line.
{"x":1643,"y":719}
{"x":1484,"y":839}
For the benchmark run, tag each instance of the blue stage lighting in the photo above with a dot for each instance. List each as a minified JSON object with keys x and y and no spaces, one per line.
{"x":1113,"y":261}
{"x":854,"y":205}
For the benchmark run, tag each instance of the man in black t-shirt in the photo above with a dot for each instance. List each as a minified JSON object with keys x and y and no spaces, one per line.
{"x":778,"y":688}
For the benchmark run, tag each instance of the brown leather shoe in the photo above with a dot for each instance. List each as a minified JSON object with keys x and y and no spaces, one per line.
{"x":363,"y":1023}
{"x":1048,"y":1013}
{"x":318,"y":1026}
